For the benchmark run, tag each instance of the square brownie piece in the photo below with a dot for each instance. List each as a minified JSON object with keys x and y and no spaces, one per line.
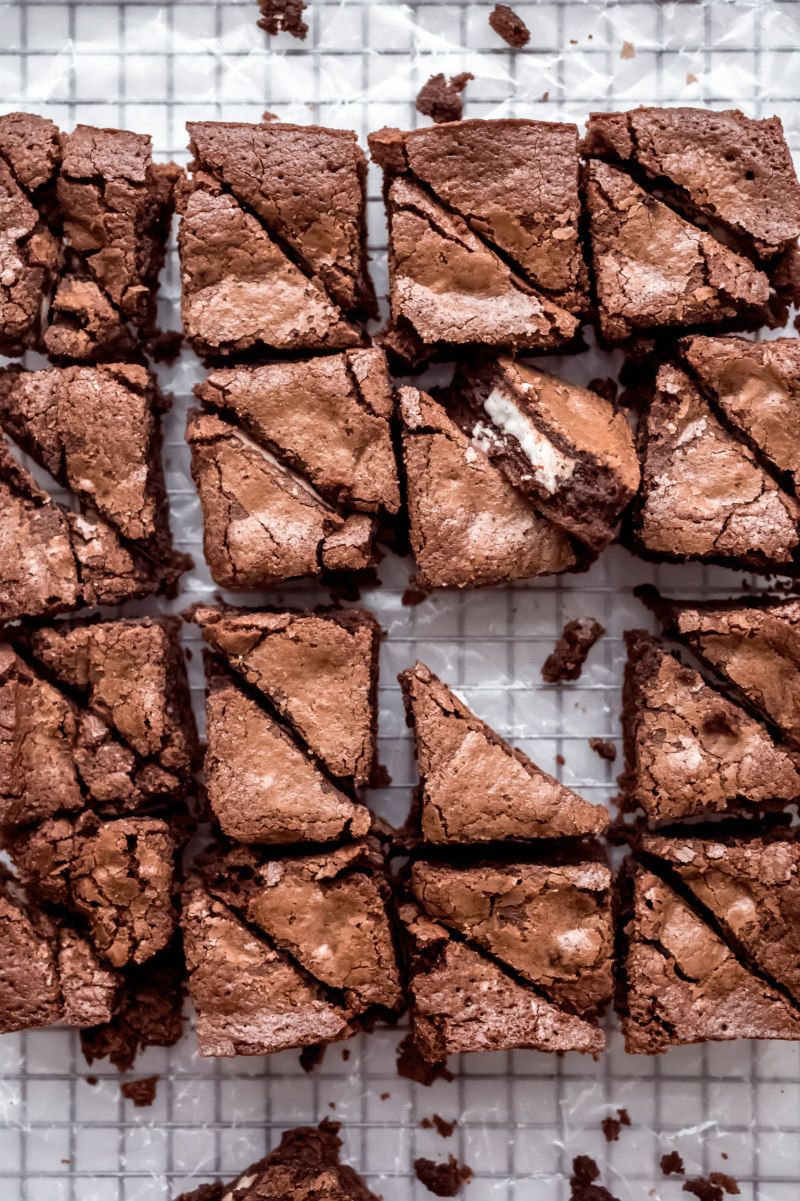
{"x":468,"y":524}
{"x":654,"y":269}
{"x":262,"y":525}
{"x":475,"y":787}
{"x":689,"y":748}
{"x":681,"y":982}
{"x":704,"y":495}
{"x":327,"y":418}
{"x":566,"y":448}
{"x":733,"y":170}
{"x":317,"y":671}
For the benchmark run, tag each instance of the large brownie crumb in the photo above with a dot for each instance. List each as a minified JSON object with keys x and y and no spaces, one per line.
{"x":566,"y":661}
{"x":582,"y":1182}
{"x":283,"y":16}
{"x":442,"y":1179}
{"x":511,"y":28}
{"x":604,"y":747}
{"x":712,"y":1187}
{"x":141,"y":1092}
{"x":441,"y":101}
{"x":672,"y":1164}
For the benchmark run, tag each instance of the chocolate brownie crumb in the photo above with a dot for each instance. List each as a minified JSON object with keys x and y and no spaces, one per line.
{"x":511,"y":28}
{"x":313,"y":1055}
{"x":412,"y":1065}
{"x":567,"y":659}
{"x":141,"y":1092}
{"x":712,"y":1187}
{"x":441,"y":101}
{"x":444,"y":1128}
{"x":283,"y":16}
{"x":611,"y":1128}
{"x":584,"y":1173}
{"x":622,"y":1114}
{"x":413,"y":596}
{"x":604,"y":747}
{"x":91,"y":1080}
{"x":672,"y":1164}
{"x":442,"y":1179}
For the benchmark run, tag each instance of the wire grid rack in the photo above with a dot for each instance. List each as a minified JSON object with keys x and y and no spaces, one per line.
{"x":521,"y":1116}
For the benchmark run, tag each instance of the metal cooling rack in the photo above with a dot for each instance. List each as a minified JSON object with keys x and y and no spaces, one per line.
{"x":522,"y":1116}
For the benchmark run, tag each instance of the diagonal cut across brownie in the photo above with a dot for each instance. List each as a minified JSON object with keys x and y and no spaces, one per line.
{"x":753,"y":643}
{"x":731,"y":169}
{"x":653,"y":268}
{"x":317,"y":670}
{"x":305,"y":1165}
{"x":688,"y":748}
{"x":327,"y":418}
{"x":262,"y":524}
{"x":704,"y":495}
{"x":565,"y":448}
{"x":475,"y":787}
{"x":469,"y":524}
{"x":681,"y":982}
{"x":755,"y":386}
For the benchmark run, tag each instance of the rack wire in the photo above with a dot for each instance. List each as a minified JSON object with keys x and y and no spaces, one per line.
{"x":521,"y":1116}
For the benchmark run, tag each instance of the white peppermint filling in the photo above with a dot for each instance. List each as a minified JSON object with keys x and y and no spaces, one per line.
{"x":550,"y":465}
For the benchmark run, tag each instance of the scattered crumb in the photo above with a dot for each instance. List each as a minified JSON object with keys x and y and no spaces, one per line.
{"x":691,"y":78}
{"x":165,"y":344}
{"x":411,"y":1064}
{"x":724,"y":1154}
{"x":283,"y":16}
{"x":311,"y":1056}
{"x":627,"y":50}
{"x":560,"y":760}
{"x":604,"y":748}
{"x":442,"y":101}
{"x":566,"y":660}
{"x":672,"y":1164}
{"x":511,"y":28}
{"x":545,"y":95}
{"x":346,"y":1054}
{"x":413,"y":596}
{"x":380,"y":777}
{"x":442,"y":1179}
{"x":584,"y":1173}
{"x":573,"y":41}
{"x":141,"y":1092}
{"x":385,"y":1096}
{"x":442,"y":1127}
{"x":622,"y":1114}
{"x":268,"y":116}
{"x":611,"y":1128}
{"x":711,"y":1187}
{"x":331,"y":1105}
{"x":91,"y":1080}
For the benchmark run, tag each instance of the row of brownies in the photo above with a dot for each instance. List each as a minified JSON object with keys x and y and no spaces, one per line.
{"x":493,"y":916}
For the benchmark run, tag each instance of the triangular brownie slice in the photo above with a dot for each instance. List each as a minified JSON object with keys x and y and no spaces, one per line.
{"x":732,"y":169}
{"x":654,"y":269}
{"x":249,"y":998}
{"x":240,"y":290}
{"x":453,"y":289}
{"x":754,"y":644}
{"x":262,"y":525}
{"x":469,"y":525}
{"x":687,"y":747}
{"x":328,"y":911}
{"x":318,"y":670}
{"x":262,"y":786}
{"x":475,"y":787}
{"x":756,"y":386}
{"x":328,"y":418}
{"x":704,"y":495}
{"x":566,"y":448}
{"x":551,"y":924}
{"x":132,"y":673}
{"x":751,"y":887}
{"x":489,"y":173}
{"x":683,"y":982}
{"x":95,"y":429}
{"x":308,"y":186}
{"x":461,"y":1001}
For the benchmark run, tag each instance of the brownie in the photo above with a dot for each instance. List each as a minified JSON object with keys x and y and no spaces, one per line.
{"x":753,"y":643}
{"x":250,"y":998}
{"x":96,"y":430}
{"x":653,"y":268}
{"x":749,"y":887}
{"x":462,"y":1000}
{"x":306,"y":185}
{"x":755,"y":386}
{"x":563,"y":447}
{"x":30,"y":254}
{"x":327,"y":418}
{"x":328,"y":911}
{"x":442,"y":1179}
{"x":475,"y":787}
{"x":688,"y":748}
{"x":566,"y":660}
{"x":304,"y":1166}
{"x":263,"y":785}
{"x":704,"y":495}
{"x":514,"y":183}
{"x":468,"y":524}
{"x":261,"y":524}
{"x":550,"y":924}
{"x":48,"y":972}
{"x":283,"y":16}
{"x":318,"y":671}
{"x":115,"y":205}
{"x":731,"y":169}
{"x":509,"y":26}
{"x":440,"y":99}
{"x":84,"y":325}
{"x":683,"y":983}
